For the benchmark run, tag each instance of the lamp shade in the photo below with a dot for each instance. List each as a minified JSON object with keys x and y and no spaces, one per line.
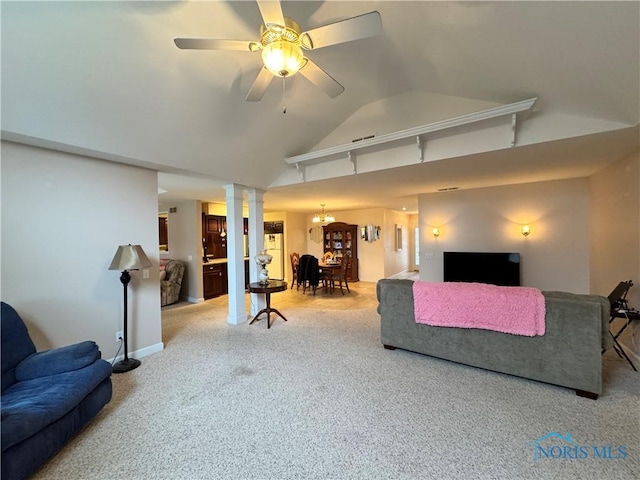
{"x":129,"y":257}
{"x":263,"y":258}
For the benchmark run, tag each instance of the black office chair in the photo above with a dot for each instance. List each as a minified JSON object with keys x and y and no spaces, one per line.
{"x":620,"y":309}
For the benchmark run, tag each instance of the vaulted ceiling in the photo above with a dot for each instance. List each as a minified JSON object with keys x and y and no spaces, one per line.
{"x":105,"y":79}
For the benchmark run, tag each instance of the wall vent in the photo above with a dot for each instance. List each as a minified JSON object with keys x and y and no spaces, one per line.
{"x":173,"y":209}
{"x":362,"y":138}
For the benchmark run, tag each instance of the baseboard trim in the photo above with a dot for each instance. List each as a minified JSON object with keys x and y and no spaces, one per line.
{"x":142,"y":353}
{"x":194,"y":299}
{"x":242,"y":318}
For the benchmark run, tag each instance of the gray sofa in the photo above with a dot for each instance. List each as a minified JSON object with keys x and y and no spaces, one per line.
{"x":569,"y":354}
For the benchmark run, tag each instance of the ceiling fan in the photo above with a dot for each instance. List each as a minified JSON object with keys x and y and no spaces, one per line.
{"x":282,"y":42}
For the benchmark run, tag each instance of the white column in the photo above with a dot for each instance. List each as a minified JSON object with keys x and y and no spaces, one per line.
{"x":256,"y":243}
{"x":235,"y":254}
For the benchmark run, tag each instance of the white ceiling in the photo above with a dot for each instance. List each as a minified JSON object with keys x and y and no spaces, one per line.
{"x":104,"y":79}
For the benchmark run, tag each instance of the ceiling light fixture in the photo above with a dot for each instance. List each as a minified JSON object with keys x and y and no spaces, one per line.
{"x":323,"y":217}
{"x":283,"y":58}
{"x":282,"y":48}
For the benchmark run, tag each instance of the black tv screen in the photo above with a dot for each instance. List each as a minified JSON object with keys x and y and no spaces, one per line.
{"x":495,"y":268}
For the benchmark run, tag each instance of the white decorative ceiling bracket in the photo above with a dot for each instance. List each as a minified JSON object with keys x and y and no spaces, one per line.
{"x":513,"y":109}
{"x":354,"y":161}
{"x":301,"y":171}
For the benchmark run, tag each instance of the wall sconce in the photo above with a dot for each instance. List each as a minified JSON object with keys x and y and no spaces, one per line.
{"x":435,"y":232}
{"x":525,"y":230}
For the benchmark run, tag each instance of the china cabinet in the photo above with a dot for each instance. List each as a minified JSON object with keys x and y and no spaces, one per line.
{"x":340,"y":238}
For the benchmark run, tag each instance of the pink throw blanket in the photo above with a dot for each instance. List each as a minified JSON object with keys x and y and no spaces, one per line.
{"x":515,"y":310}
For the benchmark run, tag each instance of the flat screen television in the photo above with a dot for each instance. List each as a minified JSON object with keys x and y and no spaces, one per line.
{"x":495,"y":268}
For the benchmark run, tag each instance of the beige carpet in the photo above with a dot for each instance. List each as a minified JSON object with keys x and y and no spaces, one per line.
{"x":318,"y":397}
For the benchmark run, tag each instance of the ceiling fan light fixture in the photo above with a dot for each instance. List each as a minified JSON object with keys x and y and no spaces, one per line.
{"x":283,"y":58}
{"x":305,"y":41}
{"x":282,"y":42}
{"x":275,"y":28}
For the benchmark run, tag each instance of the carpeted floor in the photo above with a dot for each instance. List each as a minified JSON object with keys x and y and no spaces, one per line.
{"x":318,"y":397}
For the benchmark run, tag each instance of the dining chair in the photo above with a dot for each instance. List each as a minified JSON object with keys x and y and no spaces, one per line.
{"x":295,"y":264}
{"x":341,"y":275}
{"x":326,"y":280}
{"x":308,"y":273}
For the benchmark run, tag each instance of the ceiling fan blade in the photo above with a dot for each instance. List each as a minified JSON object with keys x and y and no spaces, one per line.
{"x":271,"y":12}
{"x":214,"y":44}
{"x":259,"y":86}
{"x":354,"y":28}
{"x":321,"y":79}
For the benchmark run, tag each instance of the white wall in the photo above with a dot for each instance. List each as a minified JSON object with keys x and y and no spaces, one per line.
{"x":555,"y":256}
{"x":615,"y":227}
{"x":185,"y":244}
{"x":413,"y":224}
{"x":615,"y":233}
{"x":396,"y":260}
{"x":63,"y":217}
{"x":294,"y":237}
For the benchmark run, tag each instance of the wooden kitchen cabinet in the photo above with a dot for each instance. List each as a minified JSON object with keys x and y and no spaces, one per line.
{"x":215,"y":223}
{"x":214,"y":279}
{"x":214,"y":236}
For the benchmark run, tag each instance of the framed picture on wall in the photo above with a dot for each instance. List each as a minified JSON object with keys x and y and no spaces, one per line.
{"x":398,"y":237}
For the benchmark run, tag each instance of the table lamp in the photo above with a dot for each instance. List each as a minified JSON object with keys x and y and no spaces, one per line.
{"x":263,"y":259}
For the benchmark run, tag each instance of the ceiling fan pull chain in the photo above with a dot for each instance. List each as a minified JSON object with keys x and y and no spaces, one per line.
{"x":284,"y":105}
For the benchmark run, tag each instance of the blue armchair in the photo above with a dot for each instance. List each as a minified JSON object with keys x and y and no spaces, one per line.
{"x":47,"y":397}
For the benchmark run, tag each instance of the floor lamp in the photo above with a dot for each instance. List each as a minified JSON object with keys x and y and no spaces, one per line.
{"x":128,"y":257}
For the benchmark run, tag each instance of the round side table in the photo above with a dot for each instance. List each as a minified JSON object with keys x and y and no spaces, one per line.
{"x":272,"y":287}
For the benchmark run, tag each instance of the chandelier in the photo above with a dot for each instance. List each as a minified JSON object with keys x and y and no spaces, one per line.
{"x":323,"y":217}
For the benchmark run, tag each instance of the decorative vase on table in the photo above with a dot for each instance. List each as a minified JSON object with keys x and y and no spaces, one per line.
{"x":263,"y":259}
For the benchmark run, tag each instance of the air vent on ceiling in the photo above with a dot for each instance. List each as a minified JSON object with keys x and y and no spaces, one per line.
{"x":362,"y":138}
{"x":446,"y":189}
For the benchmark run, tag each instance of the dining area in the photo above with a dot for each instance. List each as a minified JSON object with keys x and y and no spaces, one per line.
{"x":326,"y":275}
{"x":309,"y":274}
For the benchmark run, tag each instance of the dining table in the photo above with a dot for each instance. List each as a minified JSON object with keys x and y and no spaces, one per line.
{"x":328,"y":268}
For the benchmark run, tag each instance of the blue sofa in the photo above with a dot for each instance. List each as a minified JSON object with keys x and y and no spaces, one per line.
{"x":47,"y":396}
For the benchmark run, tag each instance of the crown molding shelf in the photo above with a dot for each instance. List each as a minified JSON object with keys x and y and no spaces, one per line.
{"x":350,"y":149}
